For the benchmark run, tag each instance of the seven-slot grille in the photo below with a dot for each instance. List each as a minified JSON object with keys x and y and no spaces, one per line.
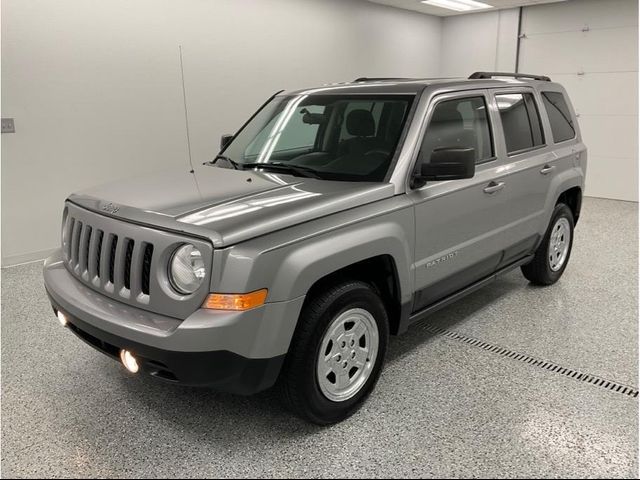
{"x":129,"y":262}
{"x":117,"y":264}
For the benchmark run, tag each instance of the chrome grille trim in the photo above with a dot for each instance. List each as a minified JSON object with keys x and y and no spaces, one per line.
{"x":128,"y":262}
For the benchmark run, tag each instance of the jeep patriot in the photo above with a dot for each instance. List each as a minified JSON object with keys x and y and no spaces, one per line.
{"x":335,"y":217}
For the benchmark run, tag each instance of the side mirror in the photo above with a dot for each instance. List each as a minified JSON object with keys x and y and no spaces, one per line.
{"x":449,"y":163}
{"x":225,"y":140}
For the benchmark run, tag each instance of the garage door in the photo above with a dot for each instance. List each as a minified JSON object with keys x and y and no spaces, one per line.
{"x":577,"y":43}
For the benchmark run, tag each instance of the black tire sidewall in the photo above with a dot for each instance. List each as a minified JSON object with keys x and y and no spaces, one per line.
{"x":360,"y":295}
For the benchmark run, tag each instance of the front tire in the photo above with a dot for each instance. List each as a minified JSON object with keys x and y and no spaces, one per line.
{"x":337,"y":353}
{"x":552,"y":256}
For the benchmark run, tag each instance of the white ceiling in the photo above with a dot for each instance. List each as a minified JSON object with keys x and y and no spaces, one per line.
{"x":417,"y":6}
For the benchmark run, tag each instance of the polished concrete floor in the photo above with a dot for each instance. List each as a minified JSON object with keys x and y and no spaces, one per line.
{"x":443,"y":407}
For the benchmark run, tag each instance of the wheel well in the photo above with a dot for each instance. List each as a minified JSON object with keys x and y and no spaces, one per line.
{"x":572,"y":198}
{"x":380,"y":272}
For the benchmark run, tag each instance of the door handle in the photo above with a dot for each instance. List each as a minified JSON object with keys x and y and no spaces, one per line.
{"x":547,"y":169}
{"x":493,"y":187}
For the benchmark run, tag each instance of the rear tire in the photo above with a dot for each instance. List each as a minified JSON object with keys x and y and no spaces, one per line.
{"x":336,"y":354}
{"x":552,"y":256}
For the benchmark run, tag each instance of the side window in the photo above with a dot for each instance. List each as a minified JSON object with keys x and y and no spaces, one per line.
{"x":461,"y":122}
{"x":559,"y":116}
{"x":520,"y":121}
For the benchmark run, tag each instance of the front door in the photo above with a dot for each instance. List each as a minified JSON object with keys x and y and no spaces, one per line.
{"x":460,"y":224}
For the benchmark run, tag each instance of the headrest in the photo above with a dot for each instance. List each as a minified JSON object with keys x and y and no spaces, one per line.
{"x":360,"y":123}
{"x":447,"y":112}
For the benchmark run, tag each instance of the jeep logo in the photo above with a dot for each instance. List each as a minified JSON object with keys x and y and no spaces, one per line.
{"x":110,"y":208}
{"x":443,"y":258}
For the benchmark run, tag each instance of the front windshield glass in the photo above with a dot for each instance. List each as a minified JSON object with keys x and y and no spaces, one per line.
{"x":334,"y":137}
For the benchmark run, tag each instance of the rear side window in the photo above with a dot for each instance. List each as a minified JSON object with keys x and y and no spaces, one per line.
{"x":520,"y":121}
{"x":461,"y":122}
{"x":559,"y":116}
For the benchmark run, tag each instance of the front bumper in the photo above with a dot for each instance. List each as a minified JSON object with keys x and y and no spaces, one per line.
{"x":236,"y":352}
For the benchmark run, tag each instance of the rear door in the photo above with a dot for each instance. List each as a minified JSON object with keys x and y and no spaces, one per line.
{"x":459,"y":223}
{"x":529,"y":154}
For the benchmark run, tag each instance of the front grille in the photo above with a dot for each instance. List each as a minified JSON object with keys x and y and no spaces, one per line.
{"x":104,"y":259}
{"x":127,"y":261}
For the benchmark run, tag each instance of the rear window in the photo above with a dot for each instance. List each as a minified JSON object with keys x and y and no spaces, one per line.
{"x":559,"y":116}
{"x":520,"y":121}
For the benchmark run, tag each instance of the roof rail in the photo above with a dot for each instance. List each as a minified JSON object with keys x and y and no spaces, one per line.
{"x":378,"y":79}
{"x":481,"y":75}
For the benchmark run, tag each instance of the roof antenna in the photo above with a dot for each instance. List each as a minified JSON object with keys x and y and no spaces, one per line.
{"x":186,"y":112}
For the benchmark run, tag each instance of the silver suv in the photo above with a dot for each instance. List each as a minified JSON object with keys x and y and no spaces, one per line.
{"x":334,"y":217}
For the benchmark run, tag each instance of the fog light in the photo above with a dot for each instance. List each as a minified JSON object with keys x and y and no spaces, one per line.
{"x":129,"y":361}
{"x":62,"y":318}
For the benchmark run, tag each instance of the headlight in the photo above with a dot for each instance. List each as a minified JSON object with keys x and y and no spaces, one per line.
{"x":186,"y":269}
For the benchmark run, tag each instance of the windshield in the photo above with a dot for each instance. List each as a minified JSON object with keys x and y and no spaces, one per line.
{"x":335,"y":137}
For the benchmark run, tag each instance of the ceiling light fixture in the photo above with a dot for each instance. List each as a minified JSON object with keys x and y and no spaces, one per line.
{"x":458,"y":5}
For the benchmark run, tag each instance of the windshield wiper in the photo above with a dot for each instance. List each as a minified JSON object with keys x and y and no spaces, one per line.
{"x":299,"y":169}
{"x":233,"y":163}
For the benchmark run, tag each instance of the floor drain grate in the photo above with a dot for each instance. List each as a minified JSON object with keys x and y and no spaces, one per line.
{"x":536,"y":362}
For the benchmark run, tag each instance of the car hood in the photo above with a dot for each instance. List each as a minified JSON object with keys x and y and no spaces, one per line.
{"x":228,"y":206}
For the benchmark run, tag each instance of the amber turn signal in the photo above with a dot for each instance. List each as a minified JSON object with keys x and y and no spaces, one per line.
{"x":235,"y":301}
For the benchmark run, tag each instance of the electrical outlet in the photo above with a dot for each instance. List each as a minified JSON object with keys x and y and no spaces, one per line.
{"x":8,"y":125}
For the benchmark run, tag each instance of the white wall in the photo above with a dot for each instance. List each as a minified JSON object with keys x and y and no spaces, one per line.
{"x":94,"y":86}
{"x":95,"y":90}
{"x":605,"y":94}
{"x":485,"y":41}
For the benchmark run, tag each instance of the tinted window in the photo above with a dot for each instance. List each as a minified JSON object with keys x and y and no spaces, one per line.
{"x":559,"y":116}
{"x":520,"y":121}
{"x":461,"y":122}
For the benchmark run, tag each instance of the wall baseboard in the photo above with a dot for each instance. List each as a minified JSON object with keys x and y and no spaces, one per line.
{"x":14,"y":260}
{"x":612,"y":199}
